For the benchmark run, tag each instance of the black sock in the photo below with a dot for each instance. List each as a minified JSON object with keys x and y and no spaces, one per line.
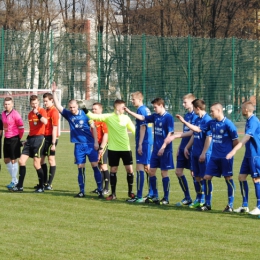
{"x":106,"y":179}
{"x":130,"y":181}
{"x":113,"y":180}
{"x":45,"y":172}
{"x":52,"y":173}
{"x":22,"y":173}
{"x":40,"y":177}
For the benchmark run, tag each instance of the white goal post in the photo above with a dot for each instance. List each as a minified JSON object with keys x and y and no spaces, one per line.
{"x":21,"y":99}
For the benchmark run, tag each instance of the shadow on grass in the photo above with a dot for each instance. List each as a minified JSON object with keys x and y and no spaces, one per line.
{"x":149,"y":206}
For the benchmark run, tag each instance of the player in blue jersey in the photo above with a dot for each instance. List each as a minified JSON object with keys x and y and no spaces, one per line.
{"x":201,"y":150}
{"x":251,"y":162}
{"x":85,"y":145}
{"x":143,"y":142}
{"x":182,"y":161}
{"x":224,"y":138}
{"x":162,"y":154}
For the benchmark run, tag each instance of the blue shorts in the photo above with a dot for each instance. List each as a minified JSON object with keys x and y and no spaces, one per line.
{"x":146,"y":156}
{"x":164,"y":162}
{"x":251,"y":166}
{"x":199,"y":168}
{"x":83,"y":150}
{"x":182,"y":161}
{"x":219,"y":167}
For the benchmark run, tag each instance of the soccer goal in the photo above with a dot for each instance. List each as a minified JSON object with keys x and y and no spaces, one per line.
{"x":21,"y":99}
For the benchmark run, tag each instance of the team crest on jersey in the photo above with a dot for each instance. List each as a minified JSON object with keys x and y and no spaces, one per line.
{"x":81,"y":122}
{"x":221,"y":131}
{"x":160,"y":124}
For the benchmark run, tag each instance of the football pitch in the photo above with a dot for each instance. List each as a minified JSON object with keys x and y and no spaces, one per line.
{"x":55,"y":225}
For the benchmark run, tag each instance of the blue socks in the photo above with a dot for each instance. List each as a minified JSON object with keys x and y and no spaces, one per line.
{"x":81,"y":179}
{"x":231,"y":191}
{"x":98,"y":178}
{"x":208,"y":188}
{"x":140,"y":183}
{"x":244,"y":192}
{"x":200,"y":191}
{"x":257,"y":193}
{"x":184,"y":186}
{"x":166,"y":187}
{"x":153,"y":181}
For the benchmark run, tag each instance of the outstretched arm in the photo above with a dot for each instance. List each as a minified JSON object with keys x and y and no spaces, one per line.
{"x":245,"y":139}
{"x":140,"y":117}
{"x":191,"y":126}
{"x":171,"y":137}
{"x":55,"y":99}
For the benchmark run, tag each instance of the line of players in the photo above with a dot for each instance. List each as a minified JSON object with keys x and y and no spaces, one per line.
{"x":207,"y":144}
{"x":40,"y":143}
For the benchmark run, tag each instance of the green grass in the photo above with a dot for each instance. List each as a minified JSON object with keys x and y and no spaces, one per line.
{"x":54,"y":225}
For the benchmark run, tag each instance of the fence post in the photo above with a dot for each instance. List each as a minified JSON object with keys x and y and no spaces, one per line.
{"x":51,"y":57}
{"x":2,"y":57}
{"x":233,"y":77}
{"x":144,"y":65}
{"x":189,"y":61}
{"x":99,"y":54}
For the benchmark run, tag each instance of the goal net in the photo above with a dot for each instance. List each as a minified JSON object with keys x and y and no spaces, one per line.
{"x":21,"y":99}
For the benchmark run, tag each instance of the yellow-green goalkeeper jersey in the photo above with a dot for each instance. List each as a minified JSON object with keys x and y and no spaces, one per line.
{"x":118,"y":139}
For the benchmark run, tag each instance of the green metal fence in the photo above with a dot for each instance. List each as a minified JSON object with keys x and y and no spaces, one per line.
{"x":105,"y":67}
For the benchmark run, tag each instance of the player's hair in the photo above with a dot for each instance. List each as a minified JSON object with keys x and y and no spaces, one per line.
{"x":189,"y":96}
{"x":8,"y":99}
{"x":249,"y":106}
{"x":33,"y":97}
{"x":48,"y":95}
{"x":73,"y":101}
{"x":158,"y":101}
{"x":97,"y":104}
{"x":217,"y":104}
{"x":199,"y":103}
{"x":137,"y":94}
{"x":118,"y":102}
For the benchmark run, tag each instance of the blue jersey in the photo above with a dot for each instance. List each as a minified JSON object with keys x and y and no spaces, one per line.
{"x":199,"y":138}
{"x":148,"y":137}
{"x":163,"y":125}
{"x":252,"y":129}
{"x":188,"y":117}
{"x":79,"y":127}
{"x":224,"y":133}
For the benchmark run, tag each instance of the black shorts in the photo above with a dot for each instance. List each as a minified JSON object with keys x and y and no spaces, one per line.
{"x":47,"y":146}
{"x":33,"y":147}
{"x":103,"y":158}
{"x":12,"y":147}
{"x":114,"y":157}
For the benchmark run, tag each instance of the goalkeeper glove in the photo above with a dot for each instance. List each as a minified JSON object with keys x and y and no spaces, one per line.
{"x":82,"y":106}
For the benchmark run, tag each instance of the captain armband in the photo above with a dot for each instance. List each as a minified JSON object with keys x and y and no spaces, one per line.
{"x":39,"y":115}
